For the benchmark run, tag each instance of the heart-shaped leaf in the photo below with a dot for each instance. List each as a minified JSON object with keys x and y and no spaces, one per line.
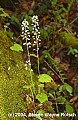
{"x":42,"y":97}
{"x":44,"y":78}
{"x":16,"y":47}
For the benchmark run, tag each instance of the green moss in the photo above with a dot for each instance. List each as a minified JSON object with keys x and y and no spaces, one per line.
{"x":68,"y":39}
{"x":12,"y":78}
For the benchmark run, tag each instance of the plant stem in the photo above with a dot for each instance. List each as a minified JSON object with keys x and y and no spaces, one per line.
{"x":32,"y":91}
{"x":28,"y":53}
{"x":37,"y":54}
{"x":73,"y":20}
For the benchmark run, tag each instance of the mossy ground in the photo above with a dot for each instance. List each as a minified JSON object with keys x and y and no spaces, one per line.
{"x":12,"y":78}
{"x":68,"y":39}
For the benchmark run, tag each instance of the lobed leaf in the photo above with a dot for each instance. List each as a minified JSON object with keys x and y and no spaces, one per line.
{"x":42,"y":97}
{"x":44,"y":78}
{"x":16,"y":47}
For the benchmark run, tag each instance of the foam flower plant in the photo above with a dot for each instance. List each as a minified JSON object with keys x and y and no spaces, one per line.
{"x":32,"y":40}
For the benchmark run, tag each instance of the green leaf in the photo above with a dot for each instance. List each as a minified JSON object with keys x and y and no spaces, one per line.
{"x":41,"y":85}
{"x":69,"y":88}
{"x":1,"y":9}
{"x":58,"y":93}
{"x":42,"y":97}
{"x":53,"y":2}
{"x":69,"y":109}
{"x":44,"y":78}
{"x":27,"y":86}
{"x":16,"y":47}
{"x":14,"y":20}
{"x":66,"y":87}
{"x":61,"y":88}
{"x":31,"y":12}
{"x":60,"y":99}
{"x":51,"y":92}
{"x":54,"y":87}
{"x":4,"y":15}
{"x":44,"y":34}
{"x":9,"y":34}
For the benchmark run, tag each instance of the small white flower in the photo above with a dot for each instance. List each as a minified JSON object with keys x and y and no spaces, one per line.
{"x":24,"y":43}
{"x":26,"y":31}
{"x":28,"y":35}
{"x":22,"y":32}
{"x":29,"y":46}
{"x":34,"y":26}
{"x":22,"y":28}
{"x":39,"y":43}
{"x":38,"y":27}
{"x":35,"y":42}
{"x":35,"y":33}
{"x":28,"y":43}
{"x":34,"y":49}
{"x":28,"y":38}
{"x":9,"y":68}
{"x":26,"y":62}
{"x":29,"y":64}
{"x":33,"y":36}
{"x":39,"y":40}
{"x":25,"y":34}
{"x":38,"y":32}
{"x":32,"y":70}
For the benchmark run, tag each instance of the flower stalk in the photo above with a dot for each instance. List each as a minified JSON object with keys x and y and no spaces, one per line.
{"x":26,"y":41}
{"x":36,"y":37}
